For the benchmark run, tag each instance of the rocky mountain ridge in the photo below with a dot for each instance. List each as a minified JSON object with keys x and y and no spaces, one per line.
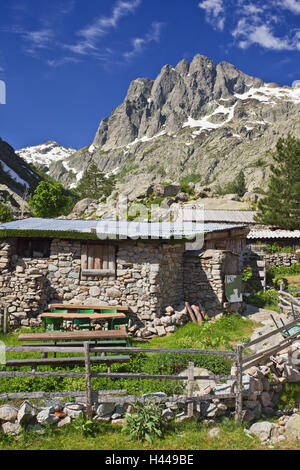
{"x":197,"y":118}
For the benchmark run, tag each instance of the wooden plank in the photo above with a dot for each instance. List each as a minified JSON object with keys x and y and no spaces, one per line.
{"x":112,"y":258}
{"x":191,"y":313}
{"x":272,"y":333}
{"x":32,"y":395}
{"x":291,"y":297}
{"x":190,"y":390}
{"x":88,"y":383}
{"x":84,"y":262}
{"x":124,"y":308}
{"x":105,"y":255}
{"x":73,"y":335}
{"x":239,"y":384}
{"x":90,"y":251}
{"x":198,"y":314}
{"x":98,"y":272}
{"x":91,"y":316}
{"x":67,"y":360}
{"x":98,"y":257}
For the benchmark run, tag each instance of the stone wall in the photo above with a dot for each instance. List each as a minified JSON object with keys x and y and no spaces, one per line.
{"x":204,"y":274}
{"x":281,"y":259}
{"x":149,"y":277}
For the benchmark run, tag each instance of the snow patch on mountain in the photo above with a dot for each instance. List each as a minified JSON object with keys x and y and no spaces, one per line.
{"x":13,"y":174}
{"x":44,"y":154}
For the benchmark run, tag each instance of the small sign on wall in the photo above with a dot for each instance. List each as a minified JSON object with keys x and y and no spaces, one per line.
{"x":233,"y":288}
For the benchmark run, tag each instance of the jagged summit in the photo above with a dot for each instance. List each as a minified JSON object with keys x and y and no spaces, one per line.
{"x":198,"y":117}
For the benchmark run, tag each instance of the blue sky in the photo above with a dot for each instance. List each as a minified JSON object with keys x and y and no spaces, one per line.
{"x":67,"y":64}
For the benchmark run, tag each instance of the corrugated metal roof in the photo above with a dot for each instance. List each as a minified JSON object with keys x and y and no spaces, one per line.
{"x":122,"y":228}
{"x":254,"y":234}
{"x":218,"y":215}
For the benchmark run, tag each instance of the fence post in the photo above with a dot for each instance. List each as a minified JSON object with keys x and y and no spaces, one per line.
{"x":239,"y":384}
{"x":88,"y":383}
{"x":280,"y":308}
{"x":191,"y":383}
{"x":5,"y":319}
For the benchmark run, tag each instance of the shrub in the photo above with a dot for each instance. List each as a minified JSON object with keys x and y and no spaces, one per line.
{"x":146,"y":422}
{"x":5,"y":214}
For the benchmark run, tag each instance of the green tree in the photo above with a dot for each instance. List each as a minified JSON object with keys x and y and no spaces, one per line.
{"x":5,"y":214}
{"x":49,"y":200}
{"x":280,"y":206}
{"x":94,"y":184}
{"x":237,"y":186}
{"x":240,"y":184}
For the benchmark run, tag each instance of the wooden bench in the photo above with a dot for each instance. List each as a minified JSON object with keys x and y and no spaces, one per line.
{"x":120,"y":308}
{"x":66,"y":360}
{"x":67,"y":344}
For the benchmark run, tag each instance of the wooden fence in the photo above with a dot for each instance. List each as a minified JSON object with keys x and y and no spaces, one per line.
{"x":287,"y":300}
{"x":120,"y":396}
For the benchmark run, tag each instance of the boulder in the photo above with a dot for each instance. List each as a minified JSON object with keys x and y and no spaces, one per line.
{"x":105,"y":409}
{"x":293,"y":427}
{"x":8,"y":413}
{"x":45,"y":416}
{"x":11,"y":428}
{"x":64,"y":422}
{"x":83,"y":205}
{"x":27,"y":413}
{"x":262,"y":430}
{"x":202,"y":386}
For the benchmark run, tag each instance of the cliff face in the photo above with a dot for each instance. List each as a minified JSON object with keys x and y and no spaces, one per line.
{"x":203,"y":118}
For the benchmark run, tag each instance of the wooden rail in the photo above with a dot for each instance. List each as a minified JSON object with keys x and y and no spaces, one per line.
{"x":111,"y":396}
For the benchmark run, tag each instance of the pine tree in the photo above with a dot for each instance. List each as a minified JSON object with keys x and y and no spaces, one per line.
{"x":281,"y":205}
{"x":94,"y":184}
{"x":240,"y":184}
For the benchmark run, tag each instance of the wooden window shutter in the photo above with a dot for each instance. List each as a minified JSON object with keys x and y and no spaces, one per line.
{"x":98,"y":260}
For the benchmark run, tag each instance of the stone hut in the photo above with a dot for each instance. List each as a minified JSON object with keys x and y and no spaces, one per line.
{"x":73,"y":261}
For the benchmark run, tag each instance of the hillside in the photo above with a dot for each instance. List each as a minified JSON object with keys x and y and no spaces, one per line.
{"x":17,"y":178}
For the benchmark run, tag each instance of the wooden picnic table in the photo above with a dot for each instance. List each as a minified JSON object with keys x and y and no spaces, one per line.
{"x":74,"y":335}
{"x":120,"y":308}
{"x":91,"y":316}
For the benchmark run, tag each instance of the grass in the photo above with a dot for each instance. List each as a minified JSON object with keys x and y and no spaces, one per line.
{"x":191,"y":435}
{"x":222,"y":334}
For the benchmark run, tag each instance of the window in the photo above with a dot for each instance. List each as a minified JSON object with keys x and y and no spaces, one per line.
{"x":97,"y":260}
{"x":33,"y":247}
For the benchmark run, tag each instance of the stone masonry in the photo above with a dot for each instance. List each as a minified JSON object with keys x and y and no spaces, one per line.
{"x":153,"y":279}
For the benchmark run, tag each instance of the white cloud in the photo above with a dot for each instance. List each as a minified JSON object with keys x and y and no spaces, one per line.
{"x":253,"y":22}
{"x":138,"y":44}
{"x":101,"y":26}
{"x":292,"y":5}
{"x":214,"y":12}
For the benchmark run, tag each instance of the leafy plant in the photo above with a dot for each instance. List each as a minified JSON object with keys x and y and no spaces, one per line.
{"x":5,"y":214}
{"x":266,"y":299}
{"x":290,"y":396}
{"x":87,"y":427}
{"x":247,"y":273}
{"x":49,"y":200}
{"x":146,"y":421}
